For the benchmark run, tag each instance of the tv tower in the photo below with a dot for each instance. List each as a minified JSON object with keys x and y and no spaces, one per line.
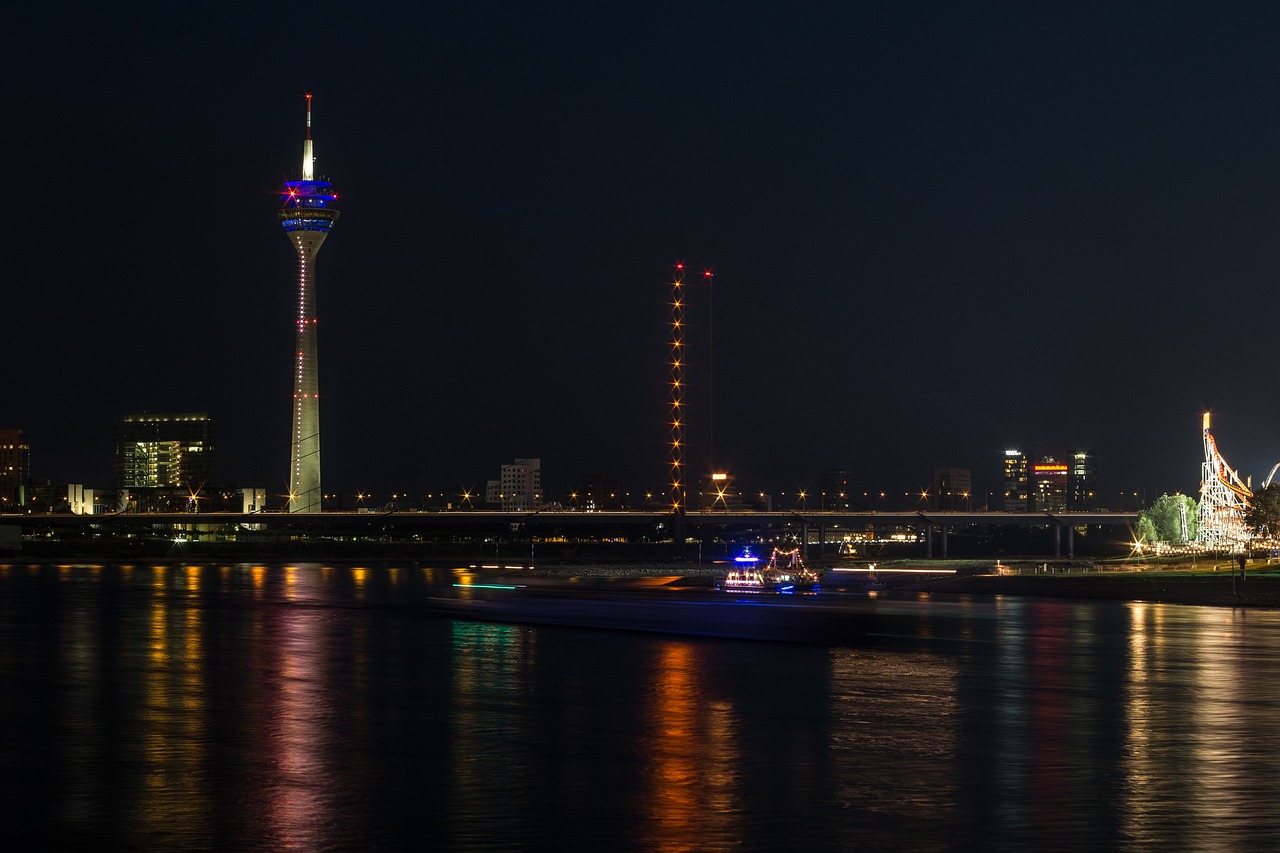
{"x":307,"y":213}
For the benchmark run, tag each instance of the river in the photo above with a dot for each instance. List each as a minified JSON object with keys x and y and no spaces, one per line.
{"x":326,"y":707}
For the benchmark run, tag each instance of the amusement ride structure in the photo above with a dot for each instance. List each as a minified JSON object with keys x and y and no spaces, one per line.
{"x":1223,"y":501}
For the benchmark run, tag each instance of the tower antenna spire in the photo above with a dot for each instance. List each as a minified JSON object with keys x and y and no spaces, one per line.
{"x":308,"y":158}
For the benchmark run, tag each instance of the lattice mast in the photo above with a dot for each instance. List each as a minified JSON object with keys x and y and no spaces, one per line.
{"x":308,"y":210}
{"x":678,"y":489}
{"x":1223,"y":500}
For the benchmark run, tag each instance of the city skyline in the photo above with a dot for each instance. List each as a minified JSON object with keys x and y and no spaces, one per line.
{"x":172,"y":455}
{"x":935,"y":234}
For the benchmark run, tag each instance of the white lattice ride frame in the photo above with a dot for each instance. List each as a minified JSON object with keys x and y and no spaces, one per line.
{"x":1223,"y":500}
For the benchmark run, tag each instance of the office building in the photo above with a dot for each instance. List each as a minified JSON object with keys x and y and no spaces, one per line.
{"x":307,"y":213}
{"x":520,"y":487}
{"x":1082,"y":494}
{"x":719,"y":491}
{"x":15,"y":468}
{"x":834,"y":490}
{"x":165,"y":450}
{"x":1017,"y":494}
{"x":1049,"y":485}
{"x":598,"y":492}
{"x":952,"y":488}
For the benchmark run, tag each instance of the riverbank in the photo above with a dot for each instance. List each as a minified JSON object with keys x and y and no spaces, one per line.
{"x":1174,"y":582}
{"x":1261,"y":589}
{"x":1169,"y":583}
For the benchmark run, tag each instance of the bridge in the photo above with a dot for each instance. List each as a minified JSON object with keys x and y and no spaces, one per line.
{"x":935,"y":526}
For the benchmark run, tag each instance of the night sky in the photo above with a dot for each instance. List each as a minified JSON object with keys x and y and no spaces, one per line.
{"x":937,"y":231}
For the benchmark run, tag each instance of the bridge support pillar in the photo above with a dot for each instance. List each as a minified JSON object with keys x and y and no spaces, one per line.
{"x":1071,"y":542}
{"x":944,"y":542}
{"x":804,"y":541}
{"x":678,"y":533}
{"x":928,"y":541}
{"x":1057,"y":540}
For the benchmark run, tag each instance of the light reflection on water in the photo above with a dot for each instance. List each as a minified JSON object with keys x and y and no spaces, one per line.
{"x":271,"y":707}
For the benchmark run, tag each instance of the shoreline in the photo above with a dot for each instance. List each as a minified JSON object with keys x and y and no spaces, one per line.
{"x":1164,"y":587}
{"x":1176,"y":582}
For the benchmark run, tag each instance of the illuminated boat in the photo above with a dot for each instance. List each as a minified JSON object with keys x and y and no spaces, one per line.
{"x":785,"y":572}
{"x":745,"y":580}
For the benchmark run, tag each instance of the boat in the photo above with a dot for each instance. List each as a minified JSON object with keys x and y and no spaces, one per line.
{"x":785,"y":572}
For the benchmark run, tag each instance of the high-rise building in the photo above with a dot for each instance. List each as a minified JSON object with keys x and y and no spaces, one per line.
{"x":307,"y":213}
{"x":1082,"y":487}
{"x":15,"y":468}
{"x":1017,"y":493}
{"x":521,"y":485}
{"x":598,"y":492}
{"x":834,"y":490}
{"x":159,"y":450}
{"x":952,"y":488}
{"x":1049,"y":485}
{"x":718,"y":491}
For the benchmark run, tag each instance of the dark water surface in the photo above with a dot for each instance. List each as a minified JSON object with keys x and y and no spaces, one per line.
{"x":319,"y":707}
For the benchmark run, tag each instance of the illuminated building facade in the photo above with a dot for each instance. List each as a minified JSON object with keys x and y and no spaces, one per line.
{"x":520,"y":489}
{"x":1017,"y":492}
{"x":1049,"y":479}
{"x":719,"y":491}
{"x":15,"y":468}
{"x":1082,"y":495}
{"x":165,"y":450}
{"x":952,"y":489}
{"x":308,"y":210}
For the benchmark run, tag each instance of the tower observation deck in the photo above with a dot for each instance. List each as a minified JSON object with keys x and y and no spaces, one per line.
{"x":308,"y":210}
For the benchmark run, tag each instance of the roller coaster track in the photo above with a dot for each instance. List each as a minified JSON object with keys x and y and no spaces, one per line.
{"x":1223,"y":500}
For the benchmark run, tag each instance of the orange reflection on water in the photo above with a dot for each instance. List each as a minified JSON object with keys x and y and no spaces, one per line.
{"x":1198,"y":711}
{"x":258,"y":578}
{"x":175,"y":715}
{"x":692,"y":793}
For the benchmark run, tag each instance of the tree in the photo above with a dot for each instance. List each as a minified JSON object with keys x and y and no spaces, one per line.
{"x":1162,"y":521}
{"x":1144,"y":530}
{"x":1263,"y":514}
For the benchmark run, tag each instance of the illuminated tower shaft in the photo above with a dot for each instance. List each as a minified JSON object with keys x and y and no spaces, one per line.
{"x":678,"y":489}
{"x":307,"y":214}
